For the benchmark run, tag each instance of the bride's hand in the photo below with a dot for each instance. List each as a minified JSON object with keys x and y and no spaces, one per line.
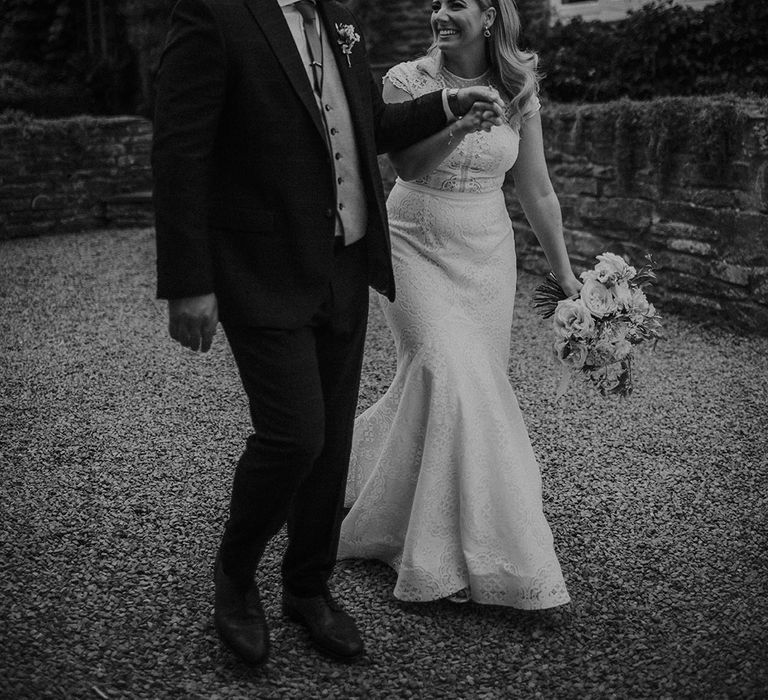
{"x":482,"y":108}
{"x":570,"y":284}
{"x":489,"y":96}
{"x":481,"y":117}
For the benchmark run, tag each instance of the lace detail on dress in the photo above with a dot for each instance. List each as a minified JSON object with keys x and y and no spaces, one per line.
{"x":410,"y":79}
{"x":443,"y":481}
{"x":480,"y":162}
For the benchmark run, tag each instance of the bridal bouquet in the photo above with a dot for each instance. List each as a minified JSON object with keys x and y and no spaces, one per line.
{"x":596,"y":332}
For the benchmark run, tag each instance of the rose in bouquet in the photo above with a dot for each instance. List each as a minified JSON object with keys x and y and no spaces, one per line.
{"x":597,"y":331}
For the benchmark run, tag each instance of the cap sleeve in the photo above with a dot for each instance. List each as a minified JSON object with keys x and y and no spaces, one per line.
{"x":413,"y":77}
{"x":532,"y":106}
{"x":400,"y":77}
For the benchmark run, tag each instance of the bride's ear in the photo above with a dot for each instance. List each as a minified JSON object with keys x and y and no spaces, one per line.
{"x":490,"y":16}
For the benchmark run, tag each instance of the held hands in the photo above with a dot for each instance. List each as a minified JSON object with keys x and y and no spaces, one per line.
{"x":482,"y":109}
{"x":192,"y":321}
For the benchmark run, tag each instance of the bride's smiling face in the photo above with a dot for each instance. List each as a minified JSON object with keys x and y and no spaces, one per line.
{"x":458,"y":24}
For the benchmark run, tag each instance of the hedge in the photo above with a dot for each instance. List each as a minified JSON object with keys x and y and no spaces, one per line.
{"x":661,"y":49}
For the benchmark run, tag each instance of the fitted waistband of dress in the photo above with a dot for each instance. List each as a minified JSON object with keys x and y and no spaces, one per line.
{"x":449,"y":194}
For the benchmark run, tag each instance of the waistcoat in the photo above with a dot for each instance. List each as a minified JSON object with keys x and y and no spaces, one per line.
{"x":351,"y":208}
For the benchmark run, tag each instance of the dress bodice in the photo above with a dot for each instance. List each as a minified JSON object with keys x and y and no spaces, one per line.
{"x":480,"y":162}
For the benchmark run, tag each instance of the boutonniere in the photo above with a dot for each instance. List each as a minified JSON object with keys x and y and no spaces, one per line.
{"x":348,"y":37}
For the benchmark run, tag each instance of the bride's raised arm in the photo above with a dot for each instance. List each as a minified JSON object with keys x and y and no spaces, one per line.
{"x":423,"y":157}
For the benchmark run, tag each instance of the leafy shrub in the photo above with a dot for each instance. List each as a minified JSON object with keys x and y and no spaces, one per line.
{"x":661,"y":49}
{"x":30,"y":88}
{"x":73,"y":62}
{"x":15,"y":117}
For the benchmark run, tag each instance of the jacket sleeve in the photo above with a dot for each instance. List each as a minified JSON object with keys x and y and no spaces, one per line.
{"x":190,"y":94}
{"x":399,"y":125}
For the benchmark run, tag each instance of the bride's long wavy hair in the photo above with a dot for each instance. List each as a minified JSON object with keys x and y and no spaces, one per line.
{"x":516,"y":69}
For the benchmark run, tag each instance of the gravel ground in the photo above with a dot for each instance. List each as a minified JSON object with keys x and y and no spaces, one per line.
{"x":116,"y":455}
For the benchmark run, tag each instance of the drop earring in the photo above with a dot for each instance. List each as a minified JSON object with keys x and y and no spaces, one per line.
{"x":486,"y":32}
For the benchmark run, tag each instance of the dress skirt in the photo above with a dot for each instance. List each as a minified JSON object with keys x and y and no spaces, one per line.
{"x":444,"y":485}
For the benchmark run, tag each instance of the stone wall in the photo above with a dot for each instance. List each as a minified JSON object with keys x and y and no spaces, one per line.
{"x":684,"y":179}
{"x":64,"y":175}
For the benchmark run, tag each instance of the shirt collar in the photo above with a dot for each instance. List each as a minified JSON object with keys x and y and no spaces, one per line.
{"x":286,"y":3}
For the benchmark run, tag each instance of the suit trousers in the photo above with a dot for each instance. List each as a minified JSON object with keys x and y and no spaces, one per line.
{"x":302,"y":386}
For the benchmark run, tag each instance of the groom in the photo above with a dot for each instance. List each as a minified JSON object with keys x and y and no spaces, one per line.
{"x":271,"y":218}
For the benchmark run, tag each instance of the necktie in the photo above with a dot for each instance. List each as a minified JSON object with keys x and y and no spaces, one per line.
{"x":307,"y":10}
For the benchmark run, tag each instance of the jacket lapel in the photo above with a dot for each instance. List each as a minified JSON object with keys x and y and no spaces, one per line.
{"x":269,"y":17}
{"x":332,"y":14}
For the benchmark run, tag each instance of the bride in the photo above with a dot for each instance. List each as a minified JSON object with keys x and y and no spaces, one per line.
{"x":444,"y":486}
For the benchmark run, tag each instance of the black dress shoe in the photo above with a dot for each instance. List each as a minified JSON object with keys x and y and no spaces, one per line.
{"x":239,"y":617}
{"x":333,"y":631}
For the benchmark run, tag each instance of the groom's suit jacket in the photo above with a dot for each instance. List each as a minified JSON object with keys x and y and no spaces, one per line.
{"x":244,"y":182}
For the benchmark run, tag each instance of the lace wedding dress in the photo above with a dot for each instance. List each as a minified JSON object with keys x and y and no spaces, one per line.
{"x":444,"y":485}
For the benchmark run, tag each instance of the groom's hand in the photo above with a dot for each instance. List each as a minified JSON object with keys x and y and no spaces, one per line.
{"x":484,"y":102}
{"x":192,"y":321}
